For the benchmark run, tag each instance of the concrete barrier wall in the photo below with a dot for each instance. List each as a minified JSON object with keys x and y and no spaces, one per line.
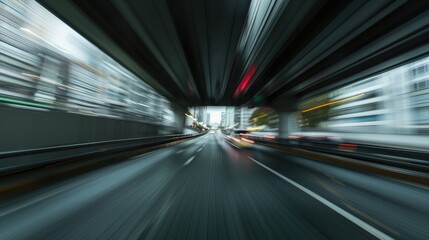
{"x":26,"y":129}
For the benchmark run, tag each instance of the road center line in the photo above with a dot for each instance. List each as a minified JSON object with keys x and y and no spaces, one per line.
{"x":372,"y":230}
{"x":189,"y":161}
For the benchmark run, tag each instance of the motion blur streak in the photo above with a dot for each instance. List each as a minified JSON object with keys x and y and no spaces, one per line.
{"x":47,"y":65}
{"x":220,"y":194}
{"x":245,"y":81}
{"x":335,"y":102}
{"x":324,"y":134}
{"x":357,"y":221}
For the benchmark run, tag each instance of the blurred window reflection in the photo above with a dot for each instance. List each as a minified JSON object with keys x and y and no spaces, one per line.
{"x":396,"y":101}
{"x":47,"y":65}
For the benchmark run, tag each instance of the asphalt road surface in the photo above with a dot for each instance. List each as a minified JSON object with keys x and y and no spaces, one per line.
{"x":207,"y":188}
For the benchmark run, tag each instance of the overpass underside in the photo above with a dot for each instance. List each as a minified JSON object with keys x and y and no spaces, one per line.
{"x":227,"y":119}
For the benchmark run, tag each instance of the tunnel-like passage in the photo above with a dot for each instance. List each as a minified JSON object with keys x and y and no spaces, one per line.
{"x":229,"y":119}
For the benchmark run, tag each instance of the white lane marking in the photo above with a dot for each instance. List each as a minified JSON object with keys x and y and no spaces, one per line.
{"x":189,"y":161}
{"x":180,"y":151}
{"x":37,"y":200}
{"x":372,"y":230}
{"x":199,"y":149}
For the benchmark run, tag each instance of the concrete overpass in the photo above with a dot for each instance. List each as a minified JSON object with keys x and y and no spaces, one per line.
{"x":274,"y":53}
{"x":97,"y":160}
{"x":250,"y":52}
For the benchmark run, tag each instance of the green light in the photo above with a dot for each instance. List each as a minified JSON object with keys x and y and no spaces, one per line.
{"x":258,"y":99}
{"x":9,"y":100}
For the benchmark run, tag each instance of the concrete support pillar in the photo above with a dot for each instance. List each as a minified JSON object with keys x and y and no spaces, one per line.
{"x":287,"y":110}
{"x":288,"y":122}
{"x":179,"y":118}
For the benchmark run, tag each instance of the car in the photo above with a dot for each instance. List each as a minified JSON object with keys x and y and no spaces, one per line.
{"x":240,"y":138}
{"x":211,"y":131}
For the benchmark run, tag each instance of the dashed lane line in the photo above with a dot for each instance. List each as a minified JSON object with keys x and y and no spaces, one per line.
{"x":370,"y":229}
{"x":189,"y":161}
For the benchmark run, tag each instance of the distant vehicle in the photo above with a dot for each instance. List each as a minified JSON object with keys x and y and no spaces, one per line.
{"x":240,"y":138}
{"x":211,"y":131}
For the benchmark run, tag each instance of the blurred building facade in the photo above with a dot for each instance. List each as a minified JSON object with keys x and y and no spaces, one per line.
{"x":46,"y":65}
{"x":202,"y":115}
{"x":207,"y":122}
{"x":229,"y":116}
{"x":223,"y":119}
{"x":242,"y":116}
{"x":396,"y":102}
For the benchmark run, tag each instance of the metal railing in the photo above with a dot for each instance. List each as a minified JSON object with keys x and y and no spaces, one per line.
{"x":13,"y":161}
{"x":402,"y":158}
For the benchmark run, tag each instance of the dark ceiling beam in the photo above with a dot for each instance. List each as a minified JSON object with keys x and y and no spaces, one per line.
{"x":209,"y":32}
{"x":389,"y":29}
{"x":198,"y":52}
{"x":387,"y":44}
{"x":152,"y":23}
{"x":298,"y":23}
{"x":262,"y":17}
{"x":115,"y":21}
{"x":71,"y":14}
